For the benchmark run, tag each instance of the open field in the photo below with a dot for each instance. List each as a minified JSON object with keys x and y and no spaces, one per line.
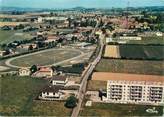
{"x":131,"y":66}
{"x":105,"y":76}
{"x":17,"y":98}
{"x":134,"y":51}
{"x":119,"y":110}
{"x":55,"y":108}
{"x":10,"y":36}
{"x":47,"y":57}
{"x":112,"y":51}
{"x":94,"y":85}
{"x":141,"y":52}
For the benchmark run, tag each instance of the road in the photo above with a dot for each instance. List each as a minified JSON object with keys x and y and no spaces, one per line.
{"x":85,"y":77}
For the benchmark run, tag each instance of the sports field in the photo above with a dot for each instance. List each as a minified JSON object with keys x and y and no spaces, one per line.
{"x":46,"y":57}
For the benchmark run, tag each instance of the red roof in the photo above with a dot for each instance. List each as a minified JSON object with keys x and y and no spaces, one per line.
{"x":45,"y":69}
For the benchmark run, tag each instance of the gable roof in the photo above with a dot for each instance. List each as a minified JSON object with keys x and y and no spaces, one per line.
{"x":59,"y":78}
{"x":50,"y":88}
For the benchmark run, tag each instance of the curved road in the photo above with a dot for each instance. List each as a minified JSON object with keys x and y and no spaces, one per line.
{"x":7,"y":62}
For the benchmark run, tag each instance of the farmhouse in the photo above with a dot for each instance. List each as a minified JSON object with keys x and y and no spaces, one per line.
{"x":2,"y":53}
{"x":132,"y":88}
{"x":26,"y":46}
{"x":51,"y":38}
{"x":59,"y":80}
{"x":24,"y":72}
{"x":159,"y":34}
{"x":44,"y":72}
{"x":51,"y":93}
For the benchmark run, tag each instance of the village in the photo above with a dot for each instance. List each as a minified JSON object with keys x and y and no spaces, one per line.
{"x":83,"y":61}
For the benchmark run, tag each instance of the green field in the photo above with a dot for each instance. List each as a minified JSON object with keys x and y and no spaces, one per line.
{"x":10,"y":36}
{"x":141,"y":52}
{"x":131,"y":66}
{"x":119,"y":110}
{"x":45,"y":58}
{"x":17,"y":98}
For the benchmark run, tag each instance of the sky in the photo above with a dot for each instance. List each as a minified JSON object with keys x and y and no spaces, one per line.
{"x":77,"y":3}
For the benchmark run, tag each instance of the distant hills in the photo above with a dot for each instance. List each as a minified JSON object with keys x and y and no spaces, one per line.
{"x":9,"y":9}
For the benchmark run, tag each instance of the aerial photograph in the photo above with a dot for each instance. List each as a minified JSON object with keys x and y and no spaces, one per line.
{"x":82,"y":58}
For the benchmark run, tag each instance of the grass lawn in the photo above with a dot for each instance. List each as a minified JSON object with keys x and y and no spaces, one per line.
{"x":131,"y":66}
{"x":53,"y":108}
{"x":96,"y":85}
{"x":119,"y":110}
{"x":45,"y":58}
{"x":10,"y":36}
{"x":18,"y":94}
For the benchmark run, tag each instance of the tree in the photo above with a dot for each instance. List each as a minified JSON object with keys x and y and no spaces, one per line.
{"x":71,"y":102}
{"x":33,"y":69}
{"x":30,"y":47}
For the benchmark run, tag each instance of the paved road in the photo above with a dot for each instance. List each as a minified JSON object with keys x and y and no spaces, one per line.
{"x":85,"y":77}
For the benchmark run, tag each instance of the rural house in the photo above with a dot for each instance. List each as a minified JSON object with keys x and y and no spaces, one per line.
{"x":51,"y":93}
{"x":24,"y":72}
{"x":44,"y":72}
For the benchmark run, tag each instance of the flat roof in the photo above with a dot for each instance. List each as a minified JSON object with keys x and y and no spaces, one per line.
{"x":105,"y":76}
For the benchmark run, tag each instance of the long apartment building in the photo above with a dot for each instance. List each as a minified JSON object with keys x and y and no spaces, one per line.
{"x":132,"y":88}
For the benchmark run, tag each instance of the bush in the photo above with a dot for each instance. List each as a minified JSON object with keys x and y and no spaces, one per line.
{"x":71,"y":102}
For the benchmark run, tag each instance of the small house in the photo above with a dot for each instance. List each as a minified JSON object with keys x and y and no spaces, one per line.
{"x":24,"y":72}
{"x":44,"y":72}
{"x":51,"y":93}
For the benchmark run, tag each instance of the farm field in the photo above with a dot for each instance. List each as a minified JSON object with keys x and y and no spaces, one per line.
{"x":119,"y":110}
{"x":10,"y":36}
{"x":131,"y":66}
{"x":17,"y":98}
{"x":141,"y":52}
{"x":112,"y":51}
{"x":47,"y":57}
{"x":135,"y":51}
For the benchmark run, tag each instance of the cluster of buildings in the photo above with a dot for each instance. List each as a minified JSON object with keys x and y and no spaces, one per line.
{"x":56,"y":89}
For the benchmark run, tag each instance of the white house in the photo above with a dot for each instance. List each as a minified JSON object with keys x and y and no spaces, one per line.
{"x":51,"y":93}
{"x":159,"y":34}
{"x":59,"y":80}
{"x":24,"y":72}
{"x":2,"y":53}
